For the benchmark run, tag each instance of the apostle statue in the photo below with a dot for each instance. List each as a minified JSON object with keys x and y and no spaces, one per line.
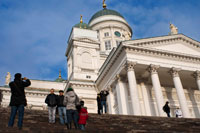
{"x":8,"y":78}
{"x":173,"y":29}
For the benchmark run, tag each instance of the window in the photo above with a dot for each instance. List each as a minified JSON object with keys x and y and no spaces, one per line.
{"x":118,"y":42}
{"x":107,"y":45}
{"x":88,"y":77}
{"x":106,"y":34}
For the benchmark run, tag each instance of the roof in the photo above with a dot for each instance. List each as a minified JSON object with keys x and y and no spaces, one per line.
{"x":105,"y":11}
{"x":82,"y":25}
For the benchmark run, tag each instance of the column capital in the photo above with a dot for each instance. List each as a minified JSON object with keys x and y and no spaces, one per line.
{"x":196,"y":75}
{"x":130,"y":65}
{"x":174,"y":71}
{"x":153,"y":69}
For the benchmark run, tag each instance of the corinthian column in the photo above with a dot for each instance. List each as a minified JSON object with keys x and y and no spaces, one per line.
{"x":157,"y":88}
{"x":133,"y":88}
{"x":110,"y":98}
{"x":180,"y":92}
{"x":121,"y":97}
{"x":197,"y":77}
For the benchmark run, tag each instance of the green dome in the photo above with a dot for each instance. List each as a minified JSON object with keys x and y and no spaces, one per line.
{"x":59,"y":80}
{"x":105,"y":11}
{"x":82,"y":25}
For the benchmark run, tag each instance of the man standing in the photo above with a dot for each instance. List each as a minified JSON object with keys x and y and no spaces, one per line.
{"x":178,"y":113}
{"x":71,"y":100}
{"x":166,"y":109}
{"x":18,"y":99}
{"x":51,"y":101}
{"x":99,"y":103}
{"x":61,"y":108}
{"x":103,"y":97}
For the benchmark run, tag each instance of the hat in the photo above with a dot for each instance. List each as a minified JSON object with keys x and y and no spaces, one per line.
{"x":69,"y":89}
{"x":18,"y":76}
{"x":61,"y":91}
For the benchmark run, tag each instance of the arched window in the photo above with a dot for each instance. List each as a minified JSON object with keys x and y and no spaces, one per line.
{"x":86,"y":60}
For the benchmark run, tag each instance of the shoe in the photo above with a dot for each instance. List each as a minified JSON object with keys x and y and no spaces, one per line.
{"x":20,"y":128}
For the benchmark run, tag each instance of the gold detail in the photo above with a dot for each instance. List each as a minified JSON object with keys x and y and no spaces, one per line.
{"x":81,"y":19}
{"x":59,"y":74}
{"x":104,"y":4}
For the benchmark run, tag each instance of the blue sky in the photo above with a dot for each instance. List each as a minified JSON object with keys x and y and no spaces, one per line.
{"x":34,"y":33}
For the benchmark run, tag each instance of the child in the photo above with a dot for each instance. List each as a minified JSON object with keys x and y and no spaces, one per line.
{"x":83,"y":116}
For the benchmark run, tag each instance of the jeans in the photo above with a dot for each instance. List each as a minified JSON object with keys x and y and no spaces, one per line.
{"x":103,"y":104}
{"x":168,"y":114}
{"x":82,"y":126}
{"x":72,"y":114}
{"x":62,"y":114}
{"x":52,"y":113}
{"x":13,"y":113}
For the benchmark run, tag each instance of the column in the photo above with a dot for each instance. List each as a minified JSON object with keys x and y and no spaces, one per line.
{"x":121,"y":97}
{"x":197,"y":77}
{"x":146,"y":98}
{"x":133,"y":88}
{"x":110,"y":100}
{"x":157,"y":88}
{"x":180,"y":92}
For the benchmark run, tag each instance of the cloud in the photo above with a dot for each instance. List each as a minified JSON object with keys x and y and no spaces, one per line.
{"x":34,"y":34}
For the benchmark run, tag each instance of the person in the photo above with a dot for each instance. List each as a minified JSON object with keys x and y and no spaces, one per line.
{"x":71,"y":100}
{"x":103,"y":97}
{"x":166,"y":109}
{"x":51,"y":101}
{"x":18,"y":99}
{"x":61,"y":108}
{"x":99,"y":103}
{"x":83,"y":116}
{"x":178,"y":113}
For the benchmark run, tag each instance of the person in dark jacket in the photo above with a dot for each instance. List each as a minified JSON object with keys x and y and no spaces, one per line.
{"x":61,"y":108}
{"x":103,"y":97}
{"x":83,"y":116}
{"x":18,"y":99}
{"x":99,"y":103}
{"x":166,"y":109}
{"x":51,"y":101}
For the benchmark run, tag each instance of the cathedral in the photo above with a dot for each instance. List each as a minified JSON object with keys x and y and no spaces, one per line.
{"x":140,"y":75}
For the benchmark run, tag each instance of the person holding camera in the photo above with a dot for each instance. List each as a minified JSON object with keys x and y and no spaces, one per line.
{"x":18,"y":99}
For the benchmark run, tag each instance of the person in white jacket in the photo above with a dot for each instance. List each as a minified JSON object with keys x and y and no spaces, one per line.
{"x":178,"y":113}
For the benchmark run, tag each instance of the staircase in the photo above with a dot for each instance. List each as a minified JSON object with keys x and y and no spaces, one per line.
{"x":37,"y":122}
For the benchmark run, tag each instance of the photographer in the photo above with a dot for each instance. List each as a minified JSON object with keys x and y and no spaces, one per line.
{"x":18,"y":99}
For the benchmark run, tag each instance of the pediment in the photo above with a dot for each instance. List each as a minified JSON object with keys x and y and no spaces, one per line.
{"x":179,"y":48}
{"x":172,"y":43}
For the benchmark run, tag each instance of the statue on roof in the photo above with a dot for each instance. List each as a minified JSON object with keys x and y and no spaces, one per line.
{"x":127,"y":35}
{"x":8,"y":78}
{"x":173,"y":29}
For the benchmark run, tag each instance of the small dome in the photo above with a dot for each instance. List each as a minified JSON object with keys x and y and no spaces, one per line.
{"x":82,"y":25}
{"x":105,"y":11}
{"x":59,"y":80}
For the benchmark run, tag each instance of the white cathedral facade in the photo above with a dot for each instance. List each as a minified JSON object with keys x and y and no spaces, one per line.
{"x":140,"y":75}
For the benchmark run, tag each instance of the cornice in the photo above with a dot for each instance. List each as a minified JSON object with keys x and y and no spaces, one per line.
{"x":86,"y":40}
{"x":162,"y":53}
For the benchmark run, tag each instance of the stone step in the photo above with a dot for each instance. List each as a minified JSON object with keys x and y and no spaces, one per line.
{"x":37,"y":121}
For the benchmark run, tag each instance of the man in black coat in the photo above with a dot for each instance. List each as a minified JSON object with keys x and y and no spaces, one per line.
{"x":166,"y":109}
{"x":18,"y":99}
{"x":99,"y":103}
{"x":103,"y":97}
{"x":51,"y":101}
{"x":61,"y":108}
